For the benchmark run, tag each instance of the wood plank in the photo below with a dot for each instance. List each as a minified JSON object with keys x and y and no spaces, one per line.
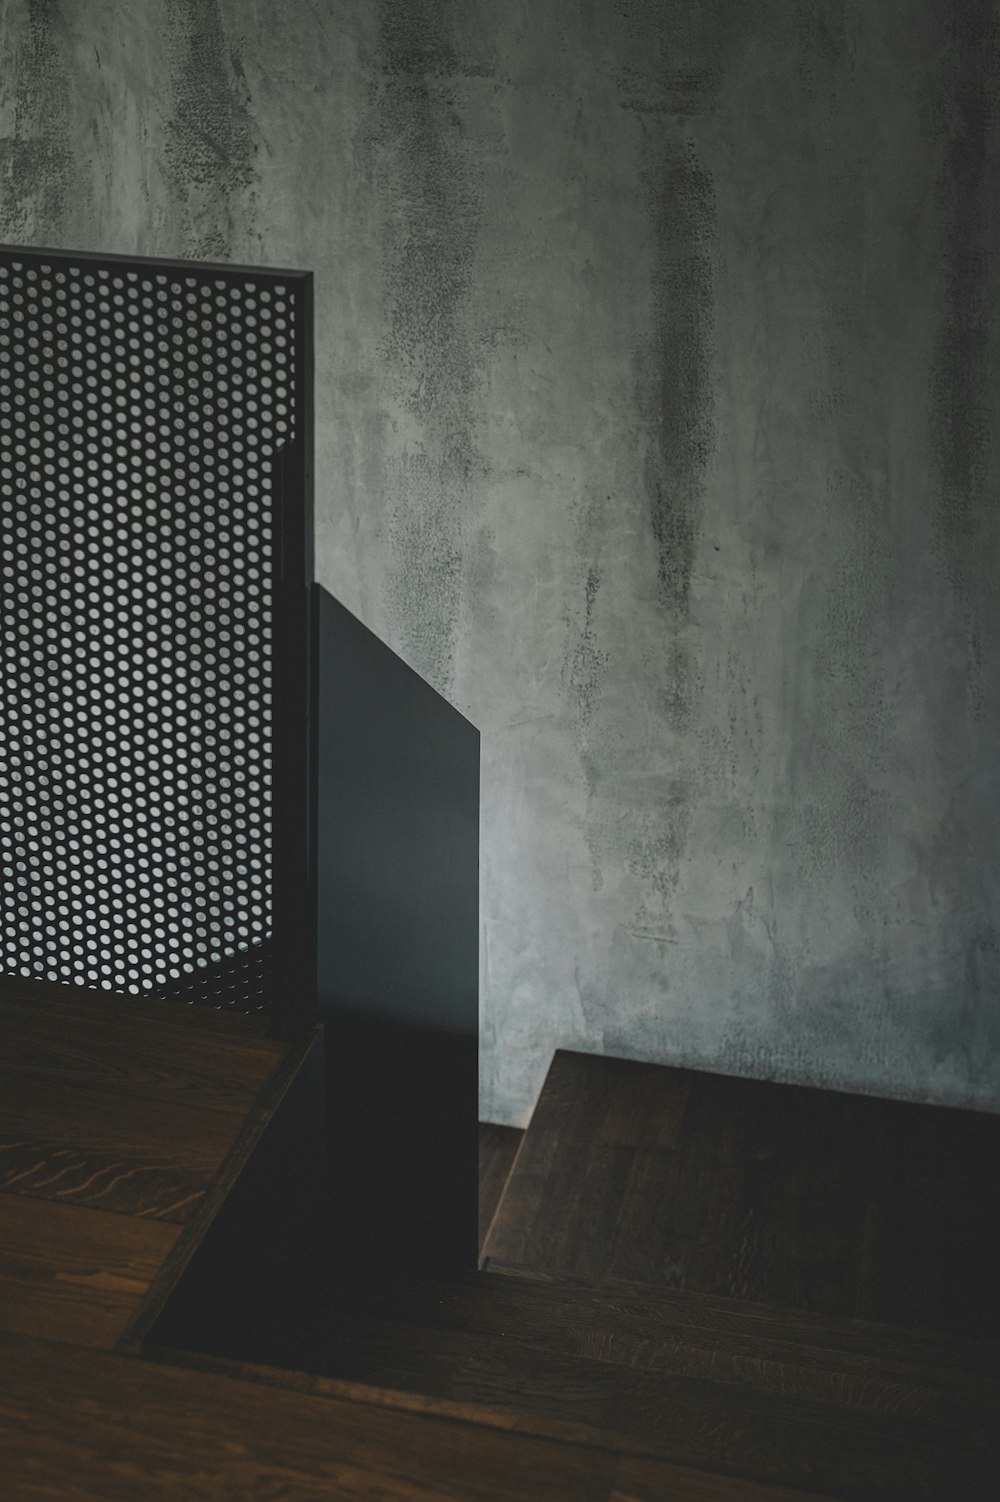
{"x":498,"y":1384}
{"x":119,"y":1153}
{"x":85,"y":1003}
{"x":697,"y":1380}
{"x":89,"y":1427}
{"x":842,"y":1363}
{"x":74,"y":1274}
{"x":498,"y":1147}
{"x":653,"y":1481}
{"x":695,"y":1319}
{"x":636,"y":1479}
{"x":134,"y":1052}
{"x":840,"y":1203}
{"x":297,"y":1082}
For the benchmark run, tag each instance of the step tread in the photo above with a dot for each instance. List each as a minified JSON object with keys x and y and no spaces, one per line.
{"x":151,"y":1050}
{"x":73,"y":1273}
{"x":650,"y":1481}
{"x":694,"y":1381}
{"x":117,"y":1153}
{"x":715,"y":1316}
{"x":91,"y":1427}
{"x":75,"y":1427}
{"x":843,"y":1204}
{"x":120,"y":1136}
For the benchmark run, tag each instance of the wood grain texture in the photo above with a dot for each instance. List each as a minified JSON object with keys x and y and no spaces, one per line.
{"x":134,"y":1050}
{"x":103,"y":1102}
{"x":74,"y":1274}
{"x":87,"y":1005}
{"x":530,"y":1380}
{"x":88,"y":1427}
{"x":692,"y":1318}
{"x":652,"y":1481}
{"x":697,"y":1380}
{"x":116,"y":1128}
{"x":496,"y":1384}
{"x":297,"y":1061}
{"x":805,"y":1198}
{"x":634,"y":1477}
{"x":498,"y":1147}
{"x":114,"y":1152}
{"x":776,"y":1396}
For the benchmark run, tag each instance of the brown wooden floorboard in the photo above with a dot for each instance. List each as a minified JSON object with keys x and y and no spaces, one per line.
{"x":780,"y":1443}
{"x":498,"y":1147}
{"x":87,"y":1427}
{"x":299,"y":1059}
{"x":839,"y":1203}
{"x":75,"y":1274}
{"x":651,"y":1481}
{"x":528,"y":1381}
{"x":111,"y":1151}
{"x":872,"y":1411}
{"x":841,"y":1362}
{"x":135,"y":1051}
{"x":117,"y":1127}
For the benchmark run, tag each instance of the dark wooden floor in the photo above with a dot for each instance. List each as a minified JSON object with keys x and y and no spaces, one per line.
{"x":673,"y":1274}
{"x":81,"y":1426}
{"x":121,"y":1124}
{"x":762,"y":1394}
{"x":639,"y":1294}
{"x":809,"y":1199}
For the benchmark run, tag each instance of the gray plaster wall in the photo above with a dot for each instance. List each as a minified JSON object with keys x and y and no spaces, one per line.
{"x":657,"y":402}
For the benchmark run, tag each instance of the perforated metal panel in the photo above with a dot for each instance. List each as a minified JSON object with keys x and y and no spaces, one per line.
{"x":141,"y":407}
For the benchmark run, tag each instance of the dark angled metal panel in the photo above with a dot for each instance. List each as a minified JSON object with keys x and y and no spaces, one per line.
{"x":398,"y":836}
{"x":142,"y":407}
{"x":398,"y":917}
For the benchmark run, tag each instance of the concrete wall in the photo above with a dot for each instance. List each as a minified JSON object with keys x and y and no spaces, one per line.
{"x":657,"y":406}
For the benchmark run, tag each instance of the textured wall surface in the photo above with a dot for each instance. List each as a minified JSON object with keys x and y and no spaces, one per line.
{"x":657,"y":426}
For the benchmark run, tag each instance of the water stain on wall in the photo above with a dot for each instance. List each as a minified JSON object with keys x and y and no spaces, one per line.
{"x":963,"y":380}
{"x":431,"y":209}
{"x":586,"y":662}
{"x":682,"y":93}
{"x":211,"y":139}
{"x":673,"y":370}
{"x":640,"y":826}
{"x":822,"y":33}
{"x":962,"y":1025}
{"x":585,"y":668}
{"x":691,"y":46}
{"x":37,"y":163}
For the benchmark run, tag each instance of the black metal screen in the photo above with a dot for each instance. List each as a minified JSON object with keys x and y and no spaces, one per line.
{"x":143,"y":409}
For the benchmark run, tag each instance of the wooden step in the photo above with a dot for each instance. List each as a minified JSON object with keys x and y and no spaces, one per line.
{"x":144,"y":1049}
{"x":77,"y":1426}
{"x":811,"y":1199}
{"x":768,"y":1395}
{"x":773,"y":1395}
{"x":76,"y":1274}
{"x":108,"y":1149}
{"x":81,"y":1426}
{"x":498,"y":1147}
{"x":123,"y":1124}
